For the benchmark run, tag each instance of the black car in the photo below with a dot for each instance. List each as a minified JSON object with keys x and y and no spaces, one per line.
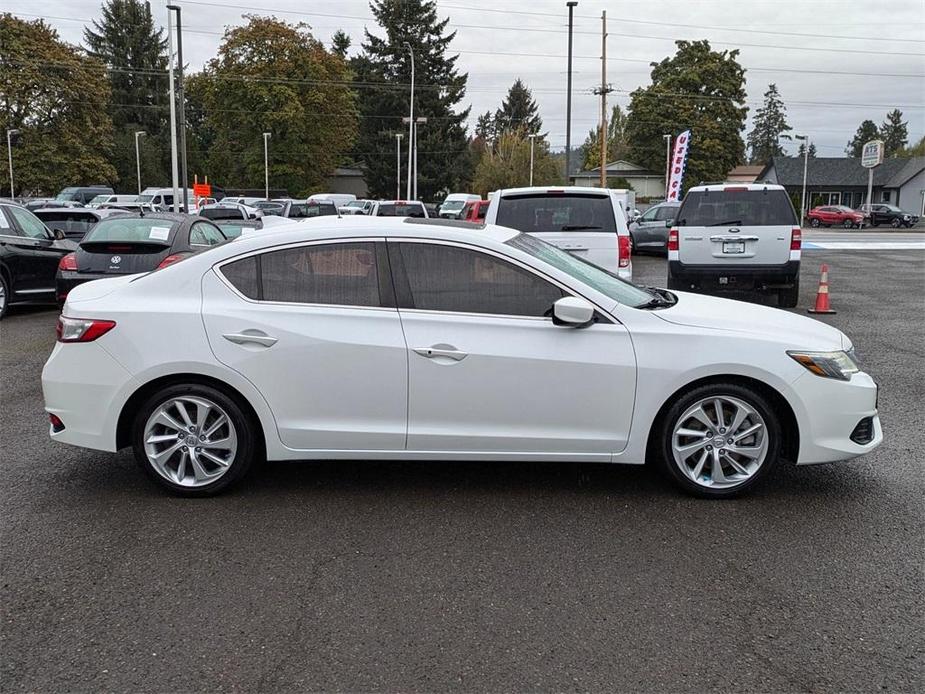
{"x":128,"y":244}
{"x":73,"y":222}
{"x":882,"y":213}
{"x":29,"y":256}
{"x":297,"y":209}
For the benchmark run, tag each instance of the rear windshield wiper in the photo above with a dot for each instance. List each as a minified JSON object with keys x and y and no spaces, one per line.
{"x":731,"y":221}
{"x":576,"y":227}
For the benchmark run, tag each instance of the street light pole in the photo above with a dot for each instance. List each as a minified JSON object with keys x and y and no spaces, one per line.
{"x":667,"y":137}
{"x":173,"y":115}
{"x":532,"y":137}
{"x":410,"y":119}
{"x":184,"y":174}
{"x":9,"y":153}
{"x":568,"y":99}
{"x":266,"y":165}
{"x":805,"y":139}
{"x":422,"y":121}
{"x":138,"y":133}
{"x":398,"y":137}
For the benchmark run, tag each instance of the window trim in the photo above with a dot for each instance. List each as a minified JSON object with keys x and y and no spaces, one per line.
{"x":386,"y":290}
{"x":400,"y":280}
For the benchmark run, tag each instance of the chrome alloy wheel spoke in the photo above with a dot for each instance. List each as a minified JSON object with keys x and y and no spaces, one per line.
{"x":190,"y":441}
{"x":719,"y":442}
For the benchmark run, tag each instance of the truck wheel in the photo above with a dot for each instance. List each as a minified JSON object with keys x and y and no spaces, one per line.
{"x":789,"y":298}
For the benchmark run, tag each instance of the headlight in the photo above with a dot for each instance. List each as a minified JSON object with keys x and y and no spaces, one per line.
{"x":838,"y":365}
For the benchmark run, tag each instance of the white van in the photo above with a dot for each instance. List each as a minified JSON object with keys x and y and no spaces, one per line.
{"x":161,"y":199}
{"x":111,"y":198}
{"x":454,"y":203}
{"x":339,"y":199}
{"x":587,"y":222}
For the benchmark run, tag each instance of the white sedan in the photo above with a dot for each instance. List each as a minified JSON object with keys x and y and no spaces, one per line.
{"x":407,"y":339}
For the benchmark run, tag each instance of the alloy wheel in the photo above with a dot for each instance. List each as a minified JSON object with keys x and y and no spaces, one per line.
{"x":719,"y":442}
{"x":190,"y":441}
{"x":2,"y":297}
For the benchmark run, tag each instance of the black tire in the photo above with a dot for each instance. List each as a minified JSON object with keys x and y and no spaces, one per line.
{"x":633,"y":250}
{"x":662,"y":441}
{"x":5,"y":299}
{"x":848,"y":224}
{"x":244,"y":429}
{"x":814,"y":223}
{"x":789,"y":298}
{"x":896,"y":223}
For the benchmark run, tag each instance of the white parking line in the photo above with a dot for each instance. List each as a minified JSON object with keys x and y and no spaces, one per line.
{"x":863,"y":246}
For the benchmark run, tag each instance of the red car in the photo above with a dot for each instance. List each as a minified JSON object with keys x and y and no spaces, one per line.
{"x":474,"y":211}
{"x":835,"y":215}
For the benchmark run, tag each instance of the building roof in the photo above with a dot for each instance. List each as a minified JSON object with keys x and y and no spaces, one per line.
{"x":749,"y":170}
{"x":621,"y":167}
{"x":841,"y":171}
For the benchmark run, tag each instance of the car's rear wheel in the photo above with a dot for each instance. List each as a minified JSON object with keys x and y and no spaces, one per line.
{"x":4,"y":296}
{"x":814,"y":223}
{"x":848,"y":224}
{"x":193,"y":440}
{"x":718,"y":440}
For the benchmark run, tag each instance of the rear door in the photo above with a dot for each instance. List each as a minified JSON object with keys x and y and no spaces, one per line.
{"x":735,"y":225}
{"x":581,"y":223}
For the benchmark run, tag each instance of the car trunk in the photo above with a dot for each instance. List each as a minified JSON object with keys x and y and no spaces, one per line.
{"x":121,"y":257}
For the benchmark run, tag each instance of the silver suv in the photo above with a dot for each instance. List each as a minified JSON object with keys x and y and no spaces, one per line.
{"x":736,"y":237}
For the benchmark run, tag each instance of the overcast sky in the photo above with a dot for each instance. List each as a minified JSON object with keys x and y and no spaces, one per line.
{"x":839,"y":72}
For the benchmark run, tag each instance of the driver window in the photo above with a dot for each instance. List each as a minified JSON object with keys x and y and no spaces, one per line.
{"x":29,"y":223}
{"x":649,"y":215}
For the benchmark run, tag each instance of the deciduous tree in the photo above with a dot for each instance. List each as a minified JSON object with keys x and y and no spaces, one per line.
{"x":57,"y":97}
{"x":616,"y":141}
{"x":506,"y":163}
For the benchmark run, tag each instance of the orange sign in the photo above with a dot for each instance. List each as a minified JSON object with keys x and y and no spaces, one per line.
{"x":202,"y":190}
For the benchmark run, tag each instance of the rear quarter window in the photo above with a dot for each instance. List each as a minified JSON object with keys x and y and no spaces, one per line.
{"x":742,"y":208}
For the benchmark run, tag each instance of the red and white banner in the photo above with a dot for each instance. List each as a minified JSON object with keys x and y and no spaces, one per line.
{"x":678,"y":162}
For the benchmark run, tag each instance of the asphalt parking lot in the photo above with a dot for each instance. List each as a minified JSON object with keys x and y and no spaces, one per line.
{"x":462,"y":576}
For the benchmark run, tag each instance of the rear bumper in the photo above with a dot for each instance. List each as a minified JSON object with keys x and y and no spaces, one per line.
{"x":736,"y":276}
{"x":66,"y":281}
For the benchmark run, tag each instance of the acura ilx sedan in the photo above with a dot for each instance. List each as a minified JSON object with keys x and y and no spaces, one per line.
{"x":373,"y":338}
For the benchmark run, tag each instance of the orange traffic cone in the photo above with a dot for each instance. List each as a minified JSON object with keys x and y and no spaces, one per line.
{"x":822,"y":295}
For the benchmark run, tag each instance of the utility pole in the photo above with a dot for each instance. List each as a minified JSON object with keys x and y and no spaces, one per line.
{"x":173,"y":115}
{"x":184,"y":174}
{"x":568,"y":99}
{"x":410,"y":120}
{"x":805,"y":139}
{"x":398,"y":137}
{"x":604,"y":90}
{"x":532,"y":137}
{"x":422,"y":121}
{"x":266,"y":164}
{"x":9,"y":153}
{"x":138,"y":133}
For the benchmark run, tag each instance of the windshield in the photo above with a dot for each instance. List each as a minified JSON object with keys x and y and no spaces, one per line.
{"x":703,"y":208}
{"x":133,"y":230}
{"x":452,"y":206}
{"x":540,"y":212}
{"x":145,"y":198}
{"x":595,"y":277}
{"x":356,"y":203}
{"x":68,"y":194}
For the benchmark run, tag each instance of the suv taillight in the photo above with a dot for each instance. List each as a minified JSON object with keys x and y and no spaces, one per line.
{"x":82,"y":329}
{"x":68,"y":262}
{"x":623,"y":245}
{"x":673,"y":240}
{"x":796,"y":239}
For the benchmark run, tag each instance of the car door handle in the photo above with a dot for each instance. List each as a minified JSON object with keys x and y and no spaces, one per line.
{"x":254,"y":336}
{"x":446,"y":351}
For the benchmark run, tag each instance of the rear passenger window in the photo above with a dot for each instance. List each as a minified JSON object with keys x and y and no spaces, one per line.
{"x":447,"y":278}
{"x":243,"y":276}
{"x":343,"y":274}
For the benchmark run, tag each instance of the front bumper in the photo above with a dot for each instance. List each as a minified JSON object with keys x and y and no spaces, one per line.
{"x":831,"y":412}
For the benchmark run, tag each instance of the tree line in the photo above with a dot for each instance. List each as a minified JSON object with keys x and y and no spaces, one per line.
{"x":79,"y":109}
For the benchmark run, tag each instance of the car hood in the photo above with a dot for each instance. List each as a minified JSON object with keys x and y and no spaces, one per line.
{"x":799,"y":332}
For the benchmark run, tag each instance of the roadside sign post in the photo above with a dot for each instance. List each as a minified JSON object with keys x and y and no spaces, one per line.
{"x":871,"y":157}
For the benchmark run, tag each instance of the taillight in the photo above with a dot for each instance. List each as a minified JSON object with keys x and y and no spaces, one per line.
{"x":796,"y":239}
{"x":623,"y":244}
{"x":673,"y":240}
{"x":171,"y":259}
{"x":68,"y":262}
{"x":82,"y":329}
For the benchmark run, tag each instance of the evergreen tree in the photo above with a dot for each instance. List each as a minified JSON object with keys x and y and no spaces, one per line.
{"x":616,"y":141}
{"x":518,"y":110}
{"x":812,"y":150}
{"x":135,"y":50}
{"x":770,"y":124}
{"x":894,"y":133}
{"x":916,"y":150}
{"x":866,"y":132}
{"x":340,"y":43}
{"x":383,"y":72}
{"x":700,"y":89}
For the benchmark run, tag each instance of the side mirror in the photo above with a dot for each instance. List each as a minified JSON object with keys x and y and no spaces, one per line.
{"x":58,"y":234}
{"x":669,"y":223}
{"x":572,"y":312}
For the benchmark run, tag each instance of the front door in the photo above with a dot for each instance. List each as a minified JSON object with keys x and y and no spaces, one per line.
{"x":489,"y":372}
{"x":38,"y":254}
{"x":314,"y":328}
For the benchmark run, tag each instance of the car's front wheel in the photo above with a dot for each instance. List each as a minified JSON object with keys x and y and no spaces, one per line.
{"x":193,"y":439}
{"x":4,"y":296}
{"x":719,"y":440}
{"x":896,"y":223}
{"x":848,"y":224}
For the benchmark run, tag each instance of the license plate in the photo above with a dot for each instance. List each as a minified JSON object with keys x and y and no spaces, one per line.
{"x":733,"y":247}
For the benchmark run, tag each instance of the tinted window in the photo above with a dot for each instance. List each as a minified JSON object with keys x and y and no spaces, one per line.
{"x":557,"y":212}
{"x":136,"y":229}
{"x":28,"y":222}
{"x":390,"y":209}
{"x":663,"y":214}
{"x":342,"y":273}
{"x":221,"y":213}
{"x":68,"y":222}
{"x":743,"y":207}
{"x":243,"y":275}
{"x":446,"y":278}
{"x":311,"y":209}
{"x":649,"y":215}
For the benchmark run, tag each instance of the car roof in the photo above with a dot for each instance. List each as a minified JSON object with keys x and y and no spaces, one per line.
{"x":558,"y":189}
{"x":720,"y":187}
